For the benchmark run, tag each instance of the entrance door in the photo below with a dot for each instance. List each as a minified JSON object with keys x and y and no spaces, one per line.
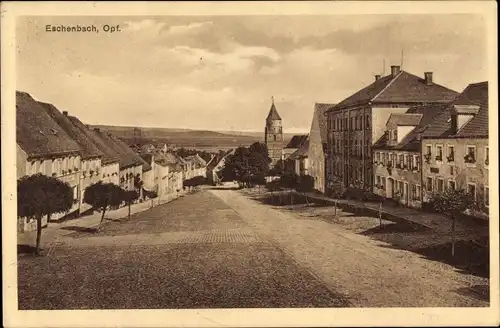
{"x":406,"y":194}
{"x":390,"y":187}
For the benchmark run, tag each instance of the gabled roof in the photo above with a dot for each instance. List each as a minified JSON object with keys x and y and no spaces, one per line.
{"x":37,"y":133}
{"x":129,"y":152}
{"x":402,"y":88}
{"x":110,"y":156}
{"x":405,"y":119}
{"x":273,"y":114}
{"x":196,"y":159}
{"x":320,"y":113}
{"x":411,"y":141}
{"x":474,"y":94}
{"x":88,"y":148}
{"x":297,"y":141}
{"x":301,"y":152}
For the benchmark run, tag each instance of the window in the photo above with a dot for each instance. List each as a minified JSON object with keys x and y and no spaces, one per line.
{"x":429,"y":184}
{"x":440,"y":185}
{"x":401,"y":160}
{"x":439,"y":153}
{"x":452,"y":185}
{"x":395,"y":135}
{"x":451,"y":154}
{"x":417,"y":162}
{"x":378,"y":157}
{"x":378,"y":180}
{"x":486,"y":196}
{"x":487,"y":156}
{"x":470,"y":156}
{"x":471,"y":189}
{"x":419,"y":193}
{"x":401,"y":188}
{"x":393,"y":160}
{"x":428,"y":150}
{"x":355,"y":123}
{"x":383,"y":182}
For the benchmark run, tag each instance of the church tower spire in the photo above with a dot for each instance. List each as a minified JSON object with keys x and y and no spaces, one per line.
{"x":274,"y":134}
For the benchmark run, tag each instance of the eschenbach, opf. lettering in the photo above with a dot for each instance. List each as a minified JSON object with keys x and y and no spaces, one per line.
{"x":71,"y":28}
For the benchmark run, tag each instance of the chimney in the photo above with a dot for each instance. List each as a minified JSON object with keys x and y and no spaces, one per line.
{"x":377,"y":77}
{"x":428,"y":78}
{"x":65,"y":113}
{"x":395,"y":70}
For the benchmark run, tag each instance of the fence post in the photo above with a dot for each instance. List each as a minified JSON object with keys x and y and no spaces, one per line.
{"x":335,"y":207}
{"x":380,"y":214}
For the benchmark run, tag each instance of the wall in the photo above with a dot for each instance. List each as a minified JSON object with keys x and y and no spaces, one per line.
{"x":65,"y":168}
{"x":458,"y":170}
{"x":21,"y":162}
{"x":110,"y":173}
{"x":406,"y":175}
{"x":379,"y":118}
{"x":86,"y":179}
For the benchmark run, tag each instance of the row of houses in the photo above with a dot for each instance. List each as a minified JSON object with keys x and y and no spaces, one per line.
{"x":57,"y":144}
{"x":403,"y":137}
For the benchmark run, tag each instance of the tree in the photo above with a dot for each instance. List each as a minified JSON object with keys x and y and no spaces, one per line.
{"x":289,"y":181}
{"x":305,"y":185}
{"x":247,"y":166}
{"x":452,"y":203}
{"x":129,"y":196}
{"x":103,"y":196}
{"x":39,"y":195}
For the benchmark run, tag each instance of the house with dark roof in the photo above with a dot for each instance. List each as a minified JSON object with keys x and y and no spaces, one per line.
{"x":91,"y":156}
{"x":317,"y":146}
{"x":397,"y":157}
{"x":110,"y":167}
{"x":358,"y":121}
{"x":455,"y":148}
{"x":44,"y":147}
{"x":291,"y":147}
{"x":197,"y":166}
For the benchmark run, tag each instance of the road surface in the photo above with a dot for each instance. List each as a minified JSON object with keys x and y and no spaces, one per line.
{"x":219,"y":249}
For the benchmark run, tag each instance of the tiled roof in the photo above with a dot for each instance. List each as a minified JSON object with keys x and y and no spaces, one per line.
{"x":273,"y":113}
{"x":37,"y":133}
{"x":475,"y":94}
{"x":297,"y":141}
{"x":406,"y":119}
{"x":196,"y":159}
{"x":302,"y":151}
{"x":411,"y":141}
{"x":127,"y":151}
{"x":126,"y":159}
{"x":169,"y":159}
{"x":88,"y":148}
{"x":403,"y":88}
{"x":110,"y":156}
{"x":320,"y":113}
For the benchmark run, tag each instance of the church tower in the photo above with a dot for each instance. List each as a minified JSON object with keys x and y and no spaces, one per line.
{"x":274,"y":135}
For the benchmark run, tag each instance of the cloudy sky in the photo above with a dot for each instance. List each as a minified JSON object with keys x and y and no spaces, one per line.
{"x":220,"y":72}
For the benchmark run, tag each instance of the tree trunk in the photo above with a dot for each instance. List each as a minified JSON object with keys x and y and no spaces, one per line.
{"x":129,"y":209}
{"x":335,"y":208}
{"x":38,"y":233}
{"x":102,"y":217}
{"x":453,"y":236}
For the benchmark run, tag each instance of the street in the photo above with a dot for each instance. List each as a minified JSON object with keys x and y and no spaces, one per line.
{"x":218,"y":248}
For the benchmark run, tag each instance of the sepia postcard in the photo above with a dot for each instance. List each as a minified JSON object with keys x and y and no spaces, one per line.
{"x":250,"y":164}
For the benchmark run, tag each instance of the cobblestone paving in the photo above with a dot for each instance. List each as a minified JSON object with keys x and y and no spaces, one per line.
{"x":195,"y":252}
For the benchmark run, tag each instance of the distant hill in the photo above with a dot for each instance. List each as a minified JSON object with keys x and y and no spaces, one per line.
{"x":202,"y":139}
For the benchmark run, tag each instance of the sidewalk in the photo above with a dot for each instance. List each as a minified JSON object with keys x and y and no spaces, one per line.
{"x":56,"y":230}
{"x":437,"y":222}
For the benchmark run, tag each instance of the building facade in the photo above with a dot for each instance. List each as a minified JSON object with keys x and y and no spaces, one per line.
{"x":455,"y":151}
{"x":357,"y":122}
{"x":397,"y":158}
{"x":318,"y":146}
